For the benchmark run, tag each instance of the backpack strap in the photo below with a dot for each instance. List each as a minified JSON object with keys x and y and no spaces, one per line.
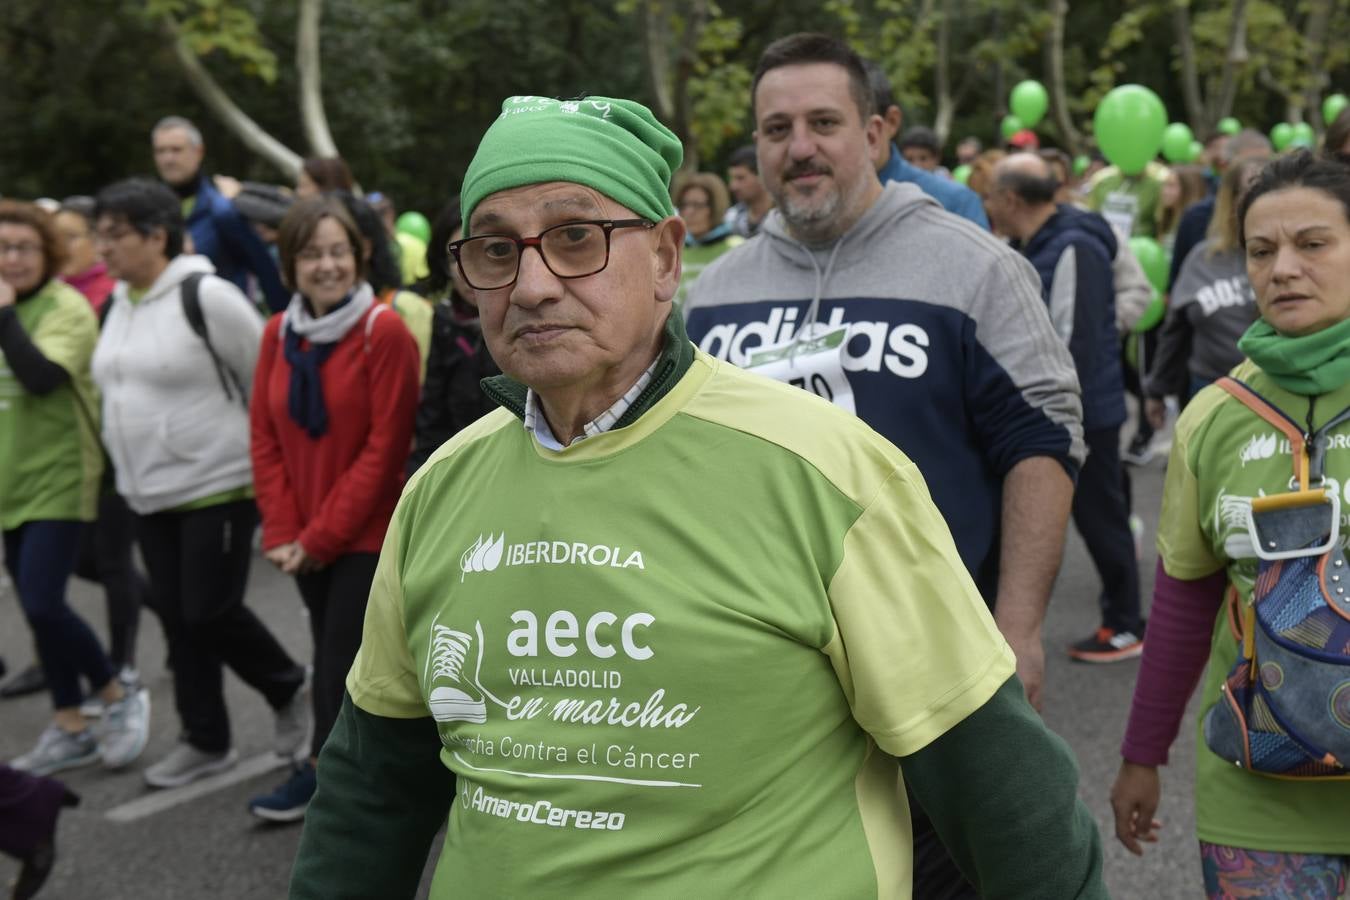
{"x":190,"y":294}
{"x":1272,"y":414}
{"x":375,"y":311}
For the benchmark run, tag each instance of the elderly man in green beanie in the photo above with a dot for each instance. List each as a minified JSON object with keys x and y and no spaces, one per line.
{"x":658,"y":626}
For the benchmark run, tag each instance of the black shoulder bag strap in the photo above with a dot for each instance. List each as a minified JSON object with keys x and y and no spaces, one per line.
{"x":192,"y":311}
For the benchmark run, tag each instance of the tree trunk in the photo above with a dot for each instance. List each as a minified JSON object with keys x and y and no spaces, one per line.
{"x":696,"y":18}
{"x":1059,"y":99}
{"x":1234,"y":61}
{"x":253,"y":135}
{"x":1190,"y":78}
{"x":658,"y":58}
{"x":946,"y":107}
{"x":1315,"y":45}
{"x":309,"y":65}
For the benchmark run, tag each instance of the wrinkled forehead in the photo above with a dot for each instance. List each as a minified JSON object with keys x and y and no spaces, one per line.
{"x":533,"y":207}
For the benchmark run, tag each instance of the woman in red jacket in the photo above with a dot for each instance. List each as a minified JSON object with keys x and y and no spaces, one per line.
{"x":334,"y":399}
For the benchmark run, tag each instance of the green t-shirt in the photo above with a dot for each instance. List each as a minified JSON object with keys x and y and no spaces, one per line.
{"x":1129,"y":200}
{"x":694,"y":258}
{"x":679,"y":656}
{"x":50,"y":458}
{"x":1222,"y":456}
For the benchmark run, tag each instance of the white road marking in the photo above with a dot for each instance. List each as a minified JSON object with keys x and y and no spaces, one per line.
{"x":168,"y":798}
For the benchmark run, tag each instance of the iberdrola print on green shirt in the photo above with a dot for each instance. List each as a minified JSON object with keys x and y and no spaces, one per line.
{"x":642,"y":699}
{"x":1223,"y":455}
{"x":50,"y":460}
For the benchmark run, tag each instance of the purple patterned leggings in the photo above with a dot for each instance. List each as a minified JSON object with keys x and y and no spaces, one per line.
{"x":1232,"y":873}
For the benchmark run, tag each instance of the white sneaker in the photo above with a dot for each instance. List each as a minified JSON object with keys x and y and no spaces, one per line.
{"x":58,"y":750}
{"x":125,"y":729}
{"x":457,"y":701}
{"x":185,"y":763}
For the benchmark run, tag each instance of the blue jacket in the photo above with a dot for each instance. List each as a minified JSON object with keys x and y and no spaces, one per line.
{"x":220,"y":233}
{"x":1072,"y":253}
{"x":955,"y":198}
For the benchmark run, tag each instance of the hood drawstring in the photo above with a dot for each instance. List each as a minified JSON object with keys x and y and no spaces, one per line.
{"x":813,"y":310}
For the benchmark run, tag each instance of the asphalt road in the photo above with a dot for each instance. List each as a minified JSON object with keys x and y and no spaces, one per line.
{"x":126,"y":842}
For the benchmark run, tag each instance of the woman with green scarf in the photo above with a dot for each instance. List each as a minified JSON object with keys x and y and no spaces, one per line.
{"x":1260,"y":836}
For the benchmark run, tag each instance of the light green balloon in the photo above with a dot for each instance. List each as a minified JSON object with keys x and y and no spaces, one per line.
{"x":414,"y":223}
{"x":1129,"y":125}
{"x":1303,"y":135}
{"x":1229,"y":125}
{"x":1080,"y":164}
{"x":961,"y":174}
{"x":1010,"y":126}
{"x":1332,"y":106}
{"x":1176,"y":142}
{"x":1197,"y":150}
{"x":1028,"y":102}
{"x":1152,"y":258}
{"x":1281,"y":135}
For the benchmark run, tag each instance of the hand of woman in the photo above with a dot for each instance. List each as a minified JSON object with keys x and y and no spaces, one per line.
{"x":1155,"y":410}
{"x":280,"y":555}
{"x":302,"y":562}
{"x":1134,"y":799}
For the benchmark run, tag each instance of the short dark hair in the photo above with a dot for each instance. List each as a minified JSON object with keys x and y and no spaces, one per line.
{"x":745,"y":157}
{"x":438,"y":280}
{"x":145,"y":204}
{"x":81,"y":205}
{"x":330,"y":173}
{"x":382,"y":270}
{"x":921,"y":137}
{"x":14,"y":212}
{"x":879,"y":83}
{"x":1036,"y":190}
{"x":299,"y":225}
{"x":809,"y":47}
{"x":1302,"y":168}
{"x":1338,"y":132}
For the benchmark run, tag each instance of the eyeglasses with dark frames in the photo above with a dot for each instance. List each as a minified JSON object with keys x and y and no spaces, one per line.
{"x":489,"y":262}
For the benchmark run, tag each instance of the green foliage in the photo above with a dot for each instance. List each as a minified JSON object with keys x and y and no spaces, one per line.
{"x":210,"y":25}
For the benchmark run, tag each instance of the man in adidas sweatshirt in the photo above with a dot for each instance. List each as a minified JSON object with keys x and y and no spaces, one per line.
{"x":926,"y":326}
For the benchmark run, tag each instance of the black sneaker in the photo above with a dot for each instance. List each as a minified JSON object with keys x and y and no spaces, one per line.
{"x":290,"y":800}
{"x":1107,"y":646}
{"x":30,"y":681}
{"x":1139,"y":452}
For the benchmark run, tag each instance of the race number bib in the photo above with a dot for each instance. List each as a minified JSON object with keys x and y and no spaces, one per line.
{"x":814,"y":363}
{"x":1120,"y":210}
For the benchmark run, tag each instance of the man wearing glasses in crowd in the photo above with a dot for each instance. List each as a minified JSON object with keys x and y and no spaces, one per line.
{"x":658,"y":625}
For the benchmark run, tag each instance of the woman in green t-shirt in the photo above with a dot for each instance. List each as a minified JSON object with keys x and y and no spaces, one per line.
{"x":50,"y":466}
{"x":1260,"y":836}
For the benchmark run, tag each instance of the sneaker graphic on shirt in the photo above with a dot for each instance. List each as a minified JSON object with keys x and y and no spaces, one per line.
{"x":455,"y":698}
{"x":1230,"y":516}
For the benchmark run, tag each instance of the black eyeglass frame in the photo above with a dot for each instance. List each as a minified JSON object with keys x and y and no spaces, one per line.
{"x":609,"y":226}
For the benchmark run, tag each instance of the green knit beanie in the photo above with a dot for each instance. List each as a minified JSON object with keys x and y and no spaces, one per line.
{"x":615,"y":146}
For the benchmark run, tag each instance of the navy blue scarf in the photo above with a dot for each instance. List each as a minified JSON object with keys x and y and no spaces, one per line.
{"x":304,"y":400}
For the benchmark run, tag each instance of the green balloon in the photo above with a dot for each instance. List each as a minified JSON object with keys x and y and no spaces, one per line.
{"x":1129,"y":125}
{"x":1153,"y":258}
{"x":1028,"y":102}
{"x":416,"y":224}
{"x":1010,"y":126}
{"x":1332,"y":106}
{"x":1281,"y":135}
{"x":1229,"y":125}
{"x":1197,"y":150}
{"x":1303,"y":135}
{"x":1176,"y":142}
{"x":1153,"y":314}
{"x":961,"y":174}
{"x":1080,"y":164}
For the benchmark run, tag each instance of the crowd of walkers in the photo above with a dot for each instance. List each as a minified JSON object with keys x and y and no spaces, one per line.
{"x":148,"y":403}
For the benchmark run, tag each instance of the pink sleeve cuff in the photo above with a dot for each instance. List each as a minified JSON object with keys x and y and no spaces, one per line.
{"x":1176,"y":648}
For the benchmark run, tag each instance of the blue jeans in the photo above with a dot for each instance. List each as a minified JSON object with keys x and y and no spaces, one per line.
{"x":40,"y":557}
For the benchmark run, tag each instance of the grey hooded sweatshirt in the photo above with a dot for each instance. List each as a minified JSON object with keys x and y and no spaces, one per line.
{"x":949,"y":350}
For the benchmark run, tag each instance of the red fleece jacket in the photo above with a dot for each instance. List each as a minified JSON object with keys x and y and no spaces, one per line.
{"x":336,"y":493}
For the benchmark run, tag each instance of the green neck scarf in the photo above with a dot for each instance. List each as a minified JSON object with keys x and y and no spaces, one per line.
{"x":1310,"y":365}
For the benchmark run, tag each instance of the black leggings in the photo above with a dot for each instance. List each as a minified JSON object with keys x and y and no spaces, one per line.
{"x":336,"y":598}
{"x":198,"y":564}
{"x":106,"y":558}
